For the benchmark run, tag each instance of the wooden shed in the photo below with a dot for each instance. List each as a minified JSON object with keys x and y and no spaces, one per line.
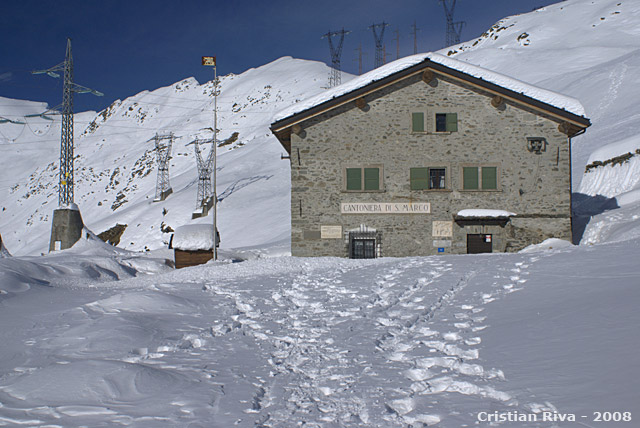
{"x":192,"y":244}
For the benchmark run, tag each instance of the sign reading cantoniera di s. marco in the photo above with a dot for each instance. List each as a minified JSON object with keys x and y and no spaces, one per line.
{"x":385,"y":208}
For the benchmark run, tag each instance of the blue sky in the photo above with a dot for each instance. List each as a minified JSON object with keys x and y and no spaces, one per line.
{"x":123,"y":47}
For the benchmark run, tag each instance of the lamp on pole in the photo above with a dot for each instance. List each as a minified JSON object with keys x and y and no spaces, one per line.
{"x":210,"y":61}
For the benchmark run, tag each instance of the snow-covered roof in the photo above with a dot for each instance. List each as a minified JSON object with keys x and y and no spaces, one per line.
{"x":554,"y":99}
{"x":193,"y":237}
{"x":484,"y":213}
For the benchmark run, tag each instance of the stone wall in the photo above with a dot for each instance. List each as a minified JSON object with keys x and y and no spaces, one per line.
{"x":534,"y":186}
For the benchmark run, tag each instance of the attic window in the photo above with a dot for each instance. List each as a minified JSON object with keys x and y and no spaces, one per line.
{"x":446,"y":122}
{"x":417,"y":122}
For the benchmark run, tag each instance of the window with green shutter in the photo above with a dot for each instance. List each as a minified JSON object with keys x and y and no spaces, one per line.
{"x":371,"y":179}
{"x":452,"y":122}
{"x":365,"y":179}
{"x":489,"y":178}
{"x":480,"y":178}
{"x":446,"y":122}
{"x":354,"y":178}
{"x":418,"y":178}
{"x":470,"y":178}
{"x":417,"y":122}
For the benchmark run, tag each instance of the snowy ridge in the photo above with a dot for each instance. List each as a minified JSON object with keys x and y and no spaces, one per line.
{"x":563,"y":102}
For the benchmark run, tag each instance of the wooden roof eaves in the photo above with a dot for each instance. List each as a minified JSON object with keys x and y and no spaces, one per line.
{"x":580,"y":121}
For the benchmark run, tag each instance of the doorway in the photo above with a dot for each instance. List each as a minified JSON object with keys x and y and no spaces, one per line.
{"x":362,"y":245}
{"x":479,"y":243}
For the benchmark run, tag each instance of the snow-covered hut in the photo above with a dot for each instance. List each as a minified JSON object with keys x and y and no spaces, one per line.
{"x":192,"y":244}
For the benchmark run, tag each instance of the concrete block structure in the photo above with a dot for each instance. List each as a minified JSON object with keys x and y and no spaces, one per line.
{"x":428,"y":155}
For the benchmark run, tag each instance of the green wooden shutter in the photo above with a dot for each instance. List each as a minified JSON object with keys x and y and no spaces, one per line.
{"x":452,"y":122}
{"x":418,"y":178}
{"x":417,"y":122}
{"x":470,"y":178}
{"x":354,"y":179}
{"x":372,"y":179}
{"x":489,"y":177}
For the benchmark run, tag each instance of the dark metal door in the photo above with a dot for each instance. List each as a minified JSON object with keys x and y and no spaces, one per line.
{"x":479,"y":243}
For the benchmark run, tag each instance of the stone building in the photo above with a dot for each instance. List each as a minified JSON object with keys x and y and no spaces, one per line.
{"x":429,"y":155}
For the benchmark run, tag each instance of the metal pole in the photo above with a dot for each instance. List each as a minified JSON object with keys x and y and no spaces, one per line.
{"x":215,"y":153}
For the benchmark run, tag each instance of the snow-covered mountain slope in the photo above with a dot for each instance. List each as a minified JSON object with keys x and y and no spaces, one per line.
{"x":286,"y":342}
{"x":116,"y":166}
{"x":589,"y":50}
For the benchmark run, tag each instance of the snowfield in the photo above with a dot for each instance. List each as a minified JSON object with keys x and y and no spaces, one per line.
{"x":288,"y":341}
{"x":103,"y":336}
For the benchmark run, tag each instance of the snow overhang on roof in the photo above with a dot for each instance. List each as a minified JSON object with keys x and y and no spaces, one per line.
{"x":568,"y":111}
{"x":193,"y":237}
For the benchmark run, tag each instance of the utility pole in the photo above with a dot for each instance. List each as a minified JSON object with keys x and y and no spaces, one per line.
{"x":67,"y":222}
{"x":379,"y":61}
{"x":415,"y":37}
{"x":454,"y":29}
{"x":335,"y":78}
{"x":211,"y":62}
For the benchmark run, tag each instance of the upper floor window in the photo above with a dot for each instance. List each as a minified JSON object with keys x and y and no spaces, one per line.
{"x":428,"y":178}
{"x":417,"y":122}
{"x":480,"y":178}
{"x":429,"y":122}
{"x":446,"y":122}
{"x":366,"y":179}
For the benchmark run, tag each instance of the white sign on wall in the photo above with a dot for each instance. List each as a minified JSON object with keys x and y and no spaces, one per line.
{"x":442,"y":229}
{"x":386,"y":208}
{"x":330,"y":232}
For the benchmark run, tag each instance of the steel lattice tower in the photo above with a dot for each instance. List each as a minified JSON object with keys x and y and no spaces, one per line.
{"x":65,"y":197}
{"x":335,"y":78}
{"x":163,"y":154}
{"x":454,"y":29}
{"x":205,"y":170}
{"x":414,"y":32}
{"x":379,"y":61}
{"x":66,"y":140}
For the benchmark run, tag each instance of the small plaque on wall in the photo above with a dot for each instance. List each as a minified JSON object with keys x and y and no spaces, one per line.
{"x":442,"y":229}
{"x":331,"y":232}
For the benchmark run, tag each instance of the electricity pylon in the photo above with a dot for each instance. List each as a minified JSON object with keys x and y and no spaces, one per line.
{"x":205,"y":170}
{"x":65,"y":193}
{"x":335,"y":78}
{"x":379,"y":61}
{"x":415,"y":30}
{"x":454,"y":29}
{"x":163,"y":155}
{"x":66,"y":227}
